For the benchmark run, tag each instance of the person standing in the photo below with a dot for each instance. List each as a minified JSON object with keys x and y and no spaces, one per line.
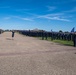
{"x":13,"y":34}
{"x":74,"y":40}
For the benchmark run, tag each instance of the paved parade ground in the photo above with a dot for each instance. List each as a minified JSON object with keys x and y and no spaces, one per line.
{"x":30,"y":56}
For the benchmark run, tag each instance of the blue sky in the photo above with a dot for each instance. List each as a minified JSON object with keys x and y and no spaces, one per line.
{"x":42,"y":14}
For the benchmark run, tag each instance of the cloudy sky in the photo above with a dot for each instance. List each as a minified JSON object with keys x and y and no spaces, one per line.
{"x":42,"y":14}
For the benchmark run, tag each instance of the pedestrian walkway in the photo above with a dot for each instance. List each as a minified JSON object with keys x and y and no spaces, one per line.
{"x":30,"y":56}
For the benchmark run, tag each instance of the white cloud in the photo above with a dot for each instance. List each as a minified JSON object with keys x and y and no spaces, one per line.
{"x":23,"y":18}
{"x":27,"y":19}
{"x":54,"y":14}
{"x":17,"y":17}
{"x":51,"y":8}
{"x":57,"y":16}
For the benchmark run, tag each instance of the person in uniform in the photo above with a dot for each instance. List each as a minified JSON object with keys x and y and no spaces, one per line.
{"x":13,"y":34}
{"x":74,"y":40}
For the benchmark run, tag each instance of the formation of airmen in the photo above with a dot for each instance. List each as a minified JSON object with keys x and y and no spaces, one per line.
{"x":53,"y":35}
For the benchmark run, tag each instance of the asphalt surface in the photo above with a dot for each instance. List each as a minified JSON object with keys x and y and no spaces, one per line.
{"x":30,"y":56}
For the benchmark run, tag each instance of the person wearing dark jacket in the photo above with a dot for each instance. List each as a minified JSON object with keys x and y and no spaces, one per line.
{"x":74,"y":40}
{"x":13,"y":34}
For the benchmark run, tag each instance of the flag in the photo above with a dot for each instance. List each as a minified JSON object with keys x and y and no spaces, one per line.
{"x":73,"y":30}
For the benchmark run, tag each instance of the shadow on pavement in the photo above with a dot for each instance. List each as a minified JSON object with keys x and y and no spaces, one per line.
{"x":9,"y":39}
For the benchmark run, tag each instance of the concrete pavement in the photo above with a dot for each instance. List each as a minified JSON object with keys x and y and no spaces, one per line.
{"x":31,"y":56}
